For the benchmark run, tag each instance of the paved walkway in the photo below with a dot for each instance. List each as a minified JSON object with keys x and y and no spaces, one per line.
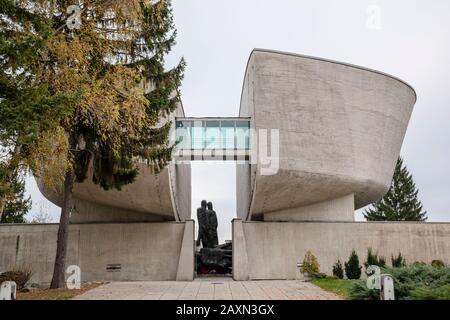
{"x":209,"y":289}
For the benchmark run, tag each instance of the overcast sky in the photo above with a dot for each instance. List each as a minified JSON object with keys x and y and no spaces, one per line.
{"x":411,"y":42}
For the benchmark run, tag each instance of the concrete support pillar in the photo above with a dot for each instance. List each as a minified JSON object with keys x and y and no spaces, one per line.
{"x":185,"y":271}
{"x":240,"y":259}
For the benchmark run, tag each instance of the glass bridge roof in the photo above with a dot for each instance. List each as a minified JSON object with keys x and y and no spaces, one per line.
{"x":213,"y":133}
{"x":212,"y":138}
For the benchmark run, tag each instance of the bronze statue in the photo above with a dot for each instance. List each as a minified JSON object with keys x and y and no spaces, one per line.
{"x":212,"y":258}
{"x":201,"y":218}
{"x":207,"y":226}
{"x":211,"y":227}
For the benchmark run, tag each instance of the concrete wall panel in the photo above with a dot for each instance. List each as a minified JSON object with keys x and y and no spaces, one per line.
{"x":274,"y":249}
{"x":145,"y":251}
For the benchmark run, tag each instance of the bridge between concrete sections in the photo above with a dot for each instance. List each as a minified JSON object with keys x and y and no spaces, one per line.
{"x":224,"y":139}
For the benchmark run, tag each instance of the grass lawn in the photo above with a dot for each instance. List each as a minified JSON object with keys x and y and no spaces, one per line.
{"x":55,"y":294}
{"x":338,"y":286}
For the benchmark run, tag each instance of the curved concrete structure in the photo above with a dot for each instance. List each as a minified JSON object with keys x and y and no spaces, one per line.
{"x":152,"y":197}
{"x":340,"y":126}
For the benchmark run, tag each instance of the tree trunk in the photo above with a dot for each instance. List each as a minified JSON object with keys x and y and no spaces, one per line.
{"x":2,"y":207}
{"x":58,"y":280}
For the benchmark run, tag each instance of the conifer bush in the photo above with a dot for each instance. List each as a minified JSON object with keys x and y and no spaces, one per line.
{"x":338,"y":270}
{"x":352,"y":267}
{"x":310,"y":264}
{"x":399,"y":261}
{"x":374,"y":260}
{"x":416,"y":282}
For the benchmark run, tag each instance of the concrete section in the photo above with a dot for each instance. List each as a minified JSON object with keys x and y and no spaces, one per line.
{"x":85,"y":210}
{"x":341,"y":128}
{"x":209,"y":289}
{"x":343,"y":209}
{"x":137,"y":251}
{"x":186,"y":262}
{"x":240,"y":258}
{"x":274,"y":249}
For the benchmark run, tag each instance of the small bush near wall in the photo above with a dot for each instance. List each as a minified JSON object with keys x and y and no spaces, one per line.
{"x":419,"y":282}
{"x":398,"y":262}
{"x":20,"y":276}
{"x":352,"y":267}
{"x":438,"y":264}
{"x":374,"y":260}
{"x":310,"y":264}
{"x":338,"y":270}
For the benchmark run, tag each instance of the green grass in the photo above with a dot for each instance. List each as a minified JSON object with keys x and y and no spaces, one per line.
{"x":339,"y":286}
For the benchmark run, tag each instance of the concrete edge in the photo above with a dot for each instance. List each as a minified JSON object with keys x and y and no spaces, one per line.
{"x":355,"y":222}
{"x":337,"y":62}
{"x":186,"y":261}
{"x":241,"y":269}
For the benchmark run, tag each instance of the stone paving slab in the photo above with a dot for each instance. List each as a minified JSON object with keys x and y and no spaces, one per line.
{"x":209,"y":289}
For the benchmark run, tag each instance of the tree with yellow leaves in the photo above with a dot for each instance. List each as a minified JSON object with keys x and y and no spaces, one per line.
{"x":86,"y":71}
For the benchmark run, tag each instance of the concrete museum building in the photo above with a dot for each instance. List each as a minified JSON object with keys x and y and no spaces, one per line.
{"x":338,"y":128}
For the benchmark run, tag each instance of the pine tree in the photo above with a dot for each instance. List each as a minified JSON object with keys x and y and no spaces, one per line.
{"x":373,"y":259}
{"x":105,"y":89}
{"x":338,"y":270}
{"x":401,"y":203}
{"x":17,"y":205}
{"x":352,"y":267}
{"x":399,"y":261}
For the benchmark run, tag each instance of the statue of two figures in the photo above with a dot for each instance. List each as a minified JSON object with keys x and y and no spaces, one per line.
{"x":212,"y":258}
{"x":207,"y":226}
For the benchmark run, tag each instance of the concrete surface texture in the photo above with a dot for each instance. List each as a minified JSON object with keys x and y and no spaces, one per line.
{"x":340,"y":126}
{"x":152,"y":197}
{"x":271,"y":250}
{"x":137,"y":251}
{"x":209,"y":289}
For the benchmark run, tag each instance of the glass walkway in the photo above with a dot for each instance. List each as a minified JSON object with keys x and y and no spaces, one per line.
{"x":212,"y":138}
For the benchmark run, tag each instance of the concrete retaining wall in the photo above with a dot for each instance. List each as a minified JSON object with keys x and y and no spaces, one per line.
{"x":144,"y":251}
{"x":271,"y":250}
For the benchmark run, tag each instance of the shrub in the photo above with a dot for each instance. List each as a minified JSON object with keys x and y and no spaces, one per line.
{"x":413,"y":282}
{"x":310,"y":264}
{"x":338,"y":270}
{"x":398,"y":262}
{"x":352,"y":267}
{"x":437,"y":264}
{"x":359,"y":291}
{"x":318,"y":275}
{"x":426,"y":293}
{"x":20,"y":276}
{"x":373,"y":260}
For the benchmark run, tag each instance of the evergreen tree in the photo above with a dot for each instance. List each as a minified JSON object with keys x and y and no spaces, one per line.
{"x":399,"y":261}
{"x":374,"y":260}
{"x":105,"y":89}
{"x":16,"y":206}
{"x":352,"y":267}
{"x":401,"y":203}
{"x":338,"y":270}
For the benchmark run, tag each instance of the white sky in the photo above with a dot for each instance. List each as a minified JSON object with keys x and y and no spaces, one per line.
{"x":216,"y":38}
